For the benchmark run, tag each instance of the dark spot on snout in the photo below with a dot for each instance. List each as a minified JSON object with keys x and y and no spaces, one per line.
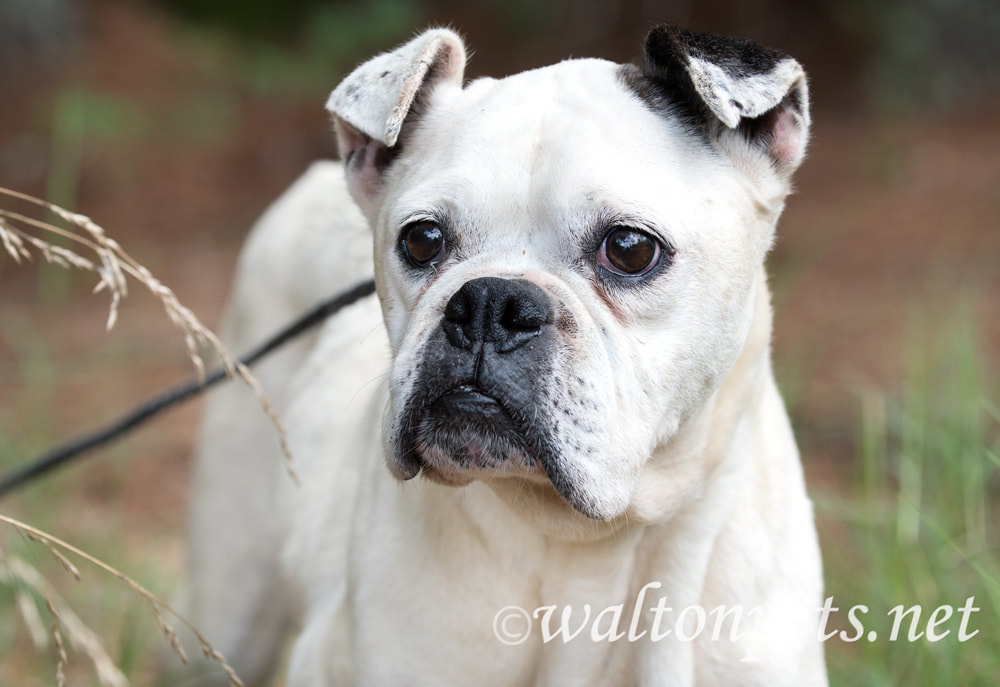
{"x":566,"y":323}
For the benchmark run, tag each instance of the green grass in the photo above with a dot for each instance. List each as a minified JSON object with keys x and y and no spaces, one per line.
{"x":917,"y":520}
{"x":80,"y":116}
{"x":55,"y":504}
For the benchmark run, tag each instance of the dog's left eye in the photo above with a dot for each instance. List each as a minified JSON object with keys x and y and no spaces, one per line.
{"x":628,"y":252}
{"x":422,"y":243}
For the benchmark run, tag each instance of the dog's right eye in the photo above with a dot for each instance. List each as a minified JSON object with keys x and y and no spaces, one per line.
{"x":422,"y":243}
{"x":628,"y":252}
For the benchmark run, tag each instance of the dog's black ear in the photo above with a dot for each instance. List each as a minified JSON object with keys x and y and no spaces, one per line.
{"x":733,"y":82}
{"x":370,"y":106}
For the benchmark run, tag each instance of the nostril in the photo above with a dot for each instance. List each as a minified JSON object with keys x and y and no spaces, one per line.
{"x":520,"y":315}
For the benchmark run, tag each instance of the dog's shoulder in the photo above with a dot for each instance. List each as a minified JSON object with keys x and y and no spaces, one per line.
{"x":310,"y":244}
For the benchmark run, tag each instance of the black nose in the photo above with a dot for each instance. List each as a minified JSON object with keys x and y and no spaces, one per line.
{"x":504,"y":312}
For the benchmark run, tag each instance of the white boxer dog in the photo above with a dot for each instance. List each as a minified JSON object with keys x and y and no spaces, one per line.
{"x":551,"y":450}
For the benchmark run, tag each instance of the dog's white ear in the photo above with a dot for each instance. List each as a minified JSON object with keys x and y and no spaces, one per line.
{"x":756,"y":91}
{"x":371,"y":105}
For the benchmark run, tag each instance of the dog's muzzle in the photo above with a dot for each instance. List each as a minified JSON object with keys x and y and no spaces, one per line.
{"x":476,"y":398}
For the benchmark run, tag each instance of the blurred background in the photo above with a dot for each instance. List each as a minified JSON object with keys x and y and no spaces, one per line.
{"x":173,"y":123}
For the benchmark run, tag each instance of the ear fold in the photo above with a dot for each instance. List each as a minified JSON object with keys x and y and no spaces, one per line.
{"x":736,"y":83}
{"x":371,"y":105}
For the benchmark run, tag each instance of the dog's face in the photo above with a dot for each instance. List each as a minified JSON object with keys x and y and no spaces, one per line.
{"x":567,"y":259}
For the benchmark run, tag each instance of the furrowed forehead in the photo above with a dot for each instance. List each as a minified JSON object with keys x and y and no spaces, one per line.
{"x":583,"y":97}
{"x":552,"y":130}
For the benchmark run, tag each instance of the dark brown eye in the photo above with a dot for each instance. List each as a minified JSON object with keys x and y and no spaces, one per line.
{"x":422,"y":243}
{"x":628,"y":252}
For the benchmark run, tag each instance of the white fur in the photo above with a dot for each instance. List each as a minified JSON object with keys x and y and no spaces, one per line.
{"x":693,"y":469}
{"x":732,"y":98}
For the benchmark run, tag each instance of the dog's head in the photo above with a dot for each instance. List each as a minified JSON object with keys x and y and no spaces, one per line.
{"x":568,"y":259}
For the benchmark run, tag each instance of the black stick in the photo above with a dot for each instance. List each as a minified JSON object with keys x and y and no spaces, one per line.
{"x":171,"y":397}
